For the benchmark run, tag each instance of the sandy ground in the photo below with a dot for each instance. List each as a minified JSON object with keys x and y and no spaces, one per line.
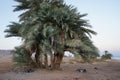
{"x":109,"y":70}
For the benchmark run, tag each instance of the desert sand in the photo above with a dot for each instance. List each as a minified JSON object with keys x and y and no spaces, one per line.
{"x":108,"y":70}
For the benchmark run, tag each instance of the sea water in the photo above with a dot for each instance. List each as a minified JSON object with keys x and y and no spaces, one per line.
{"x":116,"y":57}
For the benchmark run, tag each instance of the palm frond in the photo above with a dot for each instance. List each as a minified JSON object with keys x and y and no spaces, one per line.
{"x":13,"y":30}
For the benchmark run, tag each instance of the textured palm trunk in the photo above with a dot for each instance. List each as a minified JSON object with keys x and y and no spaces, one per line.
{"x":60,"y":59}
{"x":46,"y":61}
{"x":57,"y":60}
{"x":52,"y":61}
{"x":37,"y":58}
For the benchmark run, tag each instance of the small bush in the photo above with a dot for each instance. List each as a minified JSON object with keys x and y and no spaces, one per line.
{"x":21,"y":56}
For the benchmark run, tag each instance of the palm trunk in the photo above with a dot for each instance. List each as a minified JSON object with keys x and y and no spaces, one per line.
{"x":52,"y":61}
{"x":37,"y":58}
{"x":60,"y":59}
{"x":46,"y":61}
{"x":57,"y":60}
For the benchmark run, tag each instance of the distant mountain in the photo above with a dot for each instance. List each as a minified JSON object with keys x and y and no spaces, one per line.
{"x":6,"y":52}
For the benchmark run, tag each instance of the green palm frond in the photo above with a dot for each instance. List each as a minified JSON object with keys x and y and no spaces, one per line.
{"x":74,"y":43}
{"x":13,"y":30}
{"x":23,"y":4}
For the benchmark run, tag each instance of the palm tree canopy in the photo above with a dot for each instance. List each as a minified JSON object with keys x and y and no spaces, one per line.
{"x":51,"y":24}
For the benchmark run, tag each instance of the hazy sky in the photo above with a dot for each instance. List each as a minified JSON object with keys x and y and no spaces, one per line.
{"x":104,"y":16}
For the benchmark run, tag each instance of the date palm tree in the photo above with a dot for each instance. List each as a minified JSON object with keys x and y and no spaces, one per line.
{"x":49,"y":27}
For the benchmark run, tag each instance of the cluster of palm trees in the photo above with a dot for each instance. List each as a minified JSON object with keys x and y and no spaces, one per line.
{"x":107,"y":55}
{"x":50,"y":27}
